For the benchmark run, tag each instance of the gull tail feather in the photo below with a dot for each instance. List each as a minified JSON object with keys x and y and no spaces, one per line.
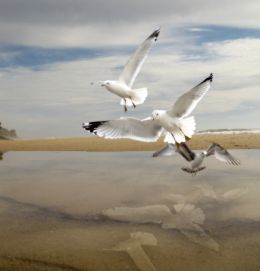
{"x":137,"y":96}
{"x":188,"y":126}
{"x":184,"y":131}
{"x":176,"y":136}
{"x":169,"y":138}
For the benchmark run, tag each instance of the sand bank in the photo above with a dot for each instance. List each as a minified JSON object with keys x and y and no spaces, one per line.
{"x":231,"y":141}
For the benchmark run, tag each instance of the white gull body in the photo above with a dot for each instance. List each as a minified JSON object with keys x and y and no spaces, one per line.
{"x":123,"y":86}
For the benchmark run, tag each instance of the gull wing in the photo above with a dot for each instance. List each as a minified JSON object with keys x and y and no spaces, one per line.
{"x":136,"y":61}
{"x":168,"y":150}
{"x":142,"y":130}
{"x":189,"y":100}
{"x":192,"y":171}
{"x":221,"y":154}
{"x":185,"y":152}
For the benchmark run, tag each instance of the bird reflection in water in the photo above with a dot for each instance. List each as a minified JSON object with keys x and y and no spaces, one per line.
{"x":133,"y":247}
{"x":178,"y":212}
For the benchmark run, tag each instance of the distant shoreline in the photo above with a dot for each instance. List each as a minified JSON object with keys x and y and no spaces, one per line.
{"x":95,"y":144}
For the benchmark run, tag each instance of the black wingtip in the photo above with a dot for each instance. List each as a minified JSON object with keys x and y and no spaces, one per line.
{"x":155,"y":34}
{"x":209,"y":78}
{"x":92,"y":126}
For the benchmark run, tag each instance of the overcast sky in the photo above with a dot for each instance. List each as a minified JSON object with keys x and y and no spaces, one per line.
{"x":51,"y":50}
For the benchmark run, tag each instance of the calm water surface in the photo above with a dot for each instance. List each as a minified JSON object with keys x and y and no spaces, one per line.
{"x":127,"y":211}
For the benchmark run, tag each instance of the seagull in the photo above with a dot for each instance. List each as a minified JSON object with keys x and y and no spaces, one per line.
{"x":174,"y":123}
{"x":196,"y":159}
{"x":123,"y":86}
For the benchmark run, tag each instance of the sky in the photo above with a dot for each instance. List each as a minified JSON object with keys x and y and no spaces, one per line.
{"x":51,"y":51}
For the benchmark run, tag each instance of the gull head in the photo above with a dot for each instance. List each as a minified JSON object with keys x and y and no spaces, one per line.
{"x":106,"y":83}
{"x":204,"y":153}
{"x":156,"y":114}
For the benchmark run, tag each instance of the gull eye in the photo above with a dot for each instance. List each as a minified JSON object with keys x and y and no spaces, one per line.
{"x":108,"y":83}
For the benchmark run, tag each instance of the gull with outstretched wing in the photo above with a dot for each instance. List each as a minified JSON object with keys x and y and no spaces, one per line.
{"x":196,"y":159}
{"x":123,"y":86}
{"x":174,"y":123}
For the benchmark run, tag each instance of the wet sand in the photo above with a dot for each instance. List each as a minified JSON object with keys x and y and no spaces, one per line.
{"x":78,"y":211}
{"x":39,"y":241}
{"x":95,"y":144}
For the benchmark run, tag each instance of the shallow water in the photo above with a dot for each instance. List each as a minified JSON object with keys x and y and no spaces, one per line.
{"x":127,"y":211}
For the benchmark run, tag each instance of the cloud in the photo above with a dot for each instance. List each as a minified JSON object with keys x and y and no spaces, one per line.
{"x":80,"y":23}
{"x":60,"y":96}
{"x":198,"y":29}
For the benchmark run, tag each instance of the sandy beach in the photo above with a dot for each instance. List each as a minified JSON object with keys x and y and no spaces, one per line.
{"x":95,"y":144}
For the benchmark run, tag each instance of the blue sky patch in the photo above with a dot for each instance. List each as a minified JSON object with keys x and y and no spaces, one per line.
{"x":213,"y":33}
{"x":35,"y":57}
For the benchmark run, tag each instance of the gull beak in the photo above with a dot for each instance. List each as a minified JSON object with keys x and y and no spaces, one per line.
{"x":102,"y":83}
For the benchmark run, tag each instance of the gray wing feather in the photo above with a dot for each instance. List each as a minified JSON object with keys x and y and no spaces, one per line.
{"x":168,"y":150}
{"x":141,"y":130}
{"x":185,"y":151}
{"x":189,"y":100}
{"x":222,"y":154}
{"x":136,"y":61}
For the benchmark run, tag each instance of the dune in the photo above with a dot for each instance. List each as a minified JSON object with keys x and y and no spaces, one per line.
{"x":95,"y":144}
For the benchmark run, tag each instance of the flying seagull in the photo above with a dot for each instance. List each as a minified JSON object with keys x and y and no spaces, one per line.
{"x":196,"y":159}
{"x":123,"y":86}
{"x":174,"y":123}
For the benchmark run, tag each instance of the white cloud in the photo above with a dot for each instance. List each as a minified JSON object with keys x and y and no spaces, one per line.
{"x":198,"y":29}
{"x":55,"y":100}
{"x":77,"y":23}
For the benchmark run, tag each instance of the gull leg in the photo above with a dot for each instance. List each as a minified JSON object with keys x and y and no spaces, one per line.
{"x":130,"y":98}
{"x":125,"y":107}
{"x":133,"y":103}
{"x":177,"y":145}
{"x":174,"y":138}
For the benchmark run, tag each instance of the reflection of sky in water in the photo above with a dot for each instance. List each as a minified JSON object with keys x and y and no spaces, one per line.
{"x":134,"y":192}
